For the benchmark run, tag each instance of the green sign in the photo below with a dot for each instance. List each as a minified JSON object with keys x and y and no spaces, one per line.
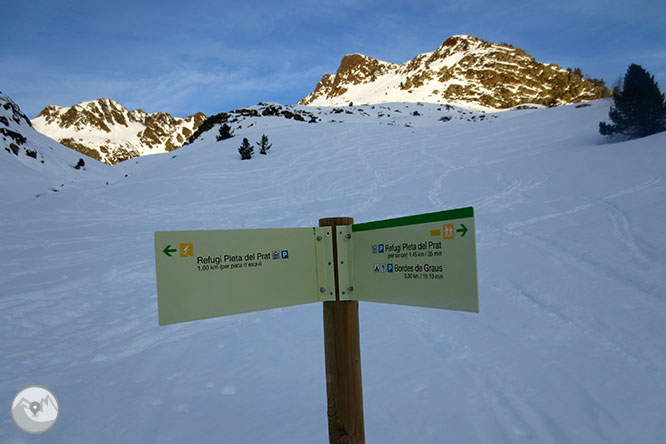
{"x":428,"y":260}
{"x":204,"y":274}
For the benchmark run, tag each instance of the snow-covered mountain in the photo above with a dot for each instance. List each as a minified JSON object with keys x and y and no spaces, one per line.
{"x":32,"y":164}
{"x":464,"y":70}
{"x":568,"y":346}
{"x":107,"y":131}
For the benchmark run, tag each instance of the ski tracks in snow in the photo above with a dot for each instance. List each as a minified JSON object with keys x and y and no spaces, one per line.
{"x":511,"y":193}
{"x":622,"y":230}
{"x":508,"y":397}
{"x":377,"y":181}
{"x":647,"y":185}
{"x":571,"y":254}
{"x":448,"y":167}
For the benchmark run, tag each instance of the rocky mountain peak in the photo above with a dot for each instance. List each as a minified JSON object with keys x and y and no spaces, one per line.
{"x":197,"y":118}
{"x":464,"y":70}
{"x":106,"y":130}
{"x":357,"y":66}
{"x":462,"y":42}
{"x":101,"y":114}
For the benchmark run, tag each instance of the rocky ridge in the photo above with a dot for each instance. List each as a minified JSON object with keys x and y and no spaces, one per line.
{"x":33,"y":164}
{"x":238,"y":117}
{"x":12,"y":121}
{"x":253,"y":119}
{"x":107,"y":131}
{"x":464,"y":70}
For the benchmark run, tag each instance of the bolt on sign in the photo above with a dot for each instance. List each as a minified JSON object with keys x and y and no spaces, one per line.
{"x":426,"y":260}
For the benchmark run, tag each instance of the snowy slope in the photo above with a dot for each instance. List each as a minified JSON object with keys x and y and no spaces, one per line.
{"x":568,"y":347}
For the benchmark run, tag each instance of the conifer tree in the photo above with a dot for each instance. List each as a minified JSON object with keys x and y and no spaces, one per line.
{"x":264,"y":146}
{"x":225,"y":133}
{"x":639,"y":108}
{"x":246,"y":150}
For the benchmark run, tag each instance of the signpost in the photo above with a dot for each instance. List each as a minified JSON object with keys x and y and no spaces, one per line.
{"x":205,"y":274}
{"x":426,"y":260}
{"x":342,"y":349}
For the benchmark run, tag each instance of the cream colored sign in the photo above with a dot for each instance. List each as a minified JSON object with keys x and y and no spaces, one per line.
{"x":204,"y":274}
{"x":427,"y":260}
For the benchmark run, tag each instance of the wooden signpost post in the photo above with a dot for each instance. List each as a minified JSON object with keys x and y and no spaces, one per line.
{"x":342,"y":349}
{"x":426,"y":260}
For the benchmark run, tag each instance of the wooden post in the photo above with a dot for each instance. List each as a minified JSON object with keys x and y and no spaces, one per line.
{"x":342,"y":349}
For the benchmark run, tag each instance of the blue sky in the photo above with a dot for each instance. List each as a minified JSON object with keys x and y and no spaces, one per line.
{"x":183,"y":57}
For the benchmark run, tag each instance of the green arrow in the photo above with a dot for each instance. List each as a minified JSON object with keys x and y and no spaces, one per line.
{"x":463,"y":230}
{"x":168,"y":250}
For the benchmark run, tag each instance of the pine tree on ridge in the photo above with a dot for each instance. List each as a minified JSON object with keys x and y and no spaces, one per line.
{"x":225,"y":133}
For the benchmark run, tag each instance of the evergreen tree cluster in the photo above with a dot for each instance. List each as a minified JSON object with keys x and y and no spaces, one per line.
{"x":639,"y":108}
{"x":246,"y":150}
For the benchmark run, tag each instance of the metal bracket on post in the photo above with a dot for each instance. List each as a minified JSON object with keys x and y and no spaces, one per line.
{"x":325,"y":267}
{"x":345,"y":263}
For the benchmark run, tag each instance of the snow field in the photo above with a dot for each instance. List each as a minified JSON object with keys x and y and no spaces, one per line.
{"x":568,"y":346}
